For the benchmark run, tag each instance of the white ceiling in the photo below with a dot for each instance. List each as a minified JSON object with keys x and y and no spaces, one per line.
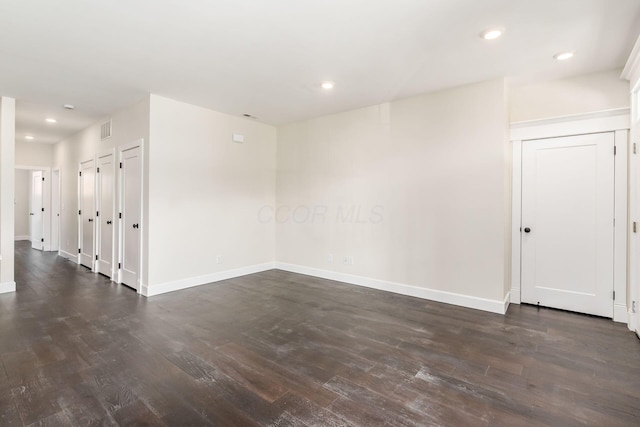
{"x":268,"y":58}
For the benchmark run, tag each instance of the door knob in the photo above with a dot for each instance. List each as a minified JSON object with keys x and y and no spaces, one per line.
{"x":527,"y":230}
{"x":90,"y":219}
{"x":108,"y":222}
{"x":31,"y":213}
{"x":135,"y":226}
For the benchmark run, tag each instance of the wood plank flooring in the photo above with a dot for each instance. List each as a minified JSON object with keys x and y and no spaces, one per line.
{"x":281,"y":349}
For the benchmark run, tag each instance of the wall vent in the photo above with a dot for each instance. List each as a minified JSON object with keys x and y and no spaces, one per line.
{"x":105,"y":131}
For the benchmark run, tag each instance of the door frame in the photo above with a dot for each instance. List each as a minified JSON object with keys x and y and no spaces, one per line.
{"x":634,"y":211}
{"x":141,"y":288}
{"x":98,"y":194}
{"x":93,"y":262}
{"x":46,"y":202}
{"x":614,"y":121}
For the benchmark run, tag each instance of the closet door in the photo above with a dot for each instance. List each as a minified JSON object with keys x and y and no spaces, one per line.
{"x":131,"y":208}
{"x":86,"y":213}
{"x":105,"y":175}
{"x":567,"y":219}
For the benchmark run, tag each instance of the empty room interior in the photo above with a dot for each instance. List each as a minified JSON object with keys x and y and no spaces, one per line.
{"x":327,"y":213}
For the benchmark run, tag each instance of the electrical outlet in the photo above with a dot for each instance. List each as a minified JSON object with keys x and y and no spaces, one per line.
{"x":348,"y":260}
{"x":218,"y":259}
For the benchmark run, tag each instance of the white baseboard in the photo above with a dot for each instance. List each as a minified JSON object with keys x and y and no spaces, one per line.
{"x":620,"y":313}
{"x":70,"y":257}
{"x":493,"y":306}
{"x":634,"y":322}
{"x":19,"y":238}
{"x":176,"y":285}
{"x":7,"y":287}
{"x":506,"y":303}
{"x":515,"y":296}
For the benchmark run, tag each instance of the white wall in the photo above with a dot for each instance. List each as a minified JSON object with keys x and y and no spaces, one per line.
{"x":205,"y":193}
{"x":128,"y":125}
{"x":22,"y":203}
{"x":425,"y":181}
{"x":7,"y":189}
{"x":34,"y":154}
{"x":575,"y":95}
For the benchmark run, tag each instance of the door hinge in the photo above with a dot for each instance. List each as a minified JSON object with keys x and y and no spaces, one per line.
{"x":614,"y":150}
{"x":96,"y":257}
{"x":42,"y":209}
{"x":120,"y":215}
{"x":119,"y":266}
{"x":79,"y":212}
{"x":97,"y":213}
{"x":80,"y":173}
{"x":614,"y":295}
{"x":97,"y":170}
{"x":635,"y":227}
{"x":635,"y":148}
{"x":42,"y":240}
{"x":633,"y":306}
{"x":43,"y":178}
{"x":79,"y":251}
{"x":120,"y":165}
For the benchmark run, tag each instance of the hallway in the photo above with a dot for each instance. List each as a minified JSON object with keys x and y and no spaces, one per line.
{"x":280,"y":349}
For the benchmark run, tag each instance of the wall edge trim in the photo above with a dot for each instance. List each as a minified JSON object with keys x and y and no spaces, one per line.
{"x":467,"y":301}
{"x":7,"y":287}
{"x":67,"y":255}
{"x":190,"y":282}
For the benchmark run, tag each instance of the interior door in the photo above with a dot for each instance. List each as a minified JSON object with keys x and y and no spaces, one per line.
{"x":36,"y":225}
{"x":567,"y":223}
{"x":131,"y":188}
{"x":105,"y":176}
{"x":55,"y":210}
{"x":86,"y":213}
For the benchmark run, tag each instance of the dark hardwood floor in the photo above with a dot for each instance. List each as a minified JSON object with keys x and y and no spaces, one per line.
{"x":283,"y":349}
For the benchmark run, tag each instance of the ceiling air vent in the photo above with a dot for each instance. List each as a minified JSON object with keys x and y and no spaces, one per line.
{"x":105,"y":131}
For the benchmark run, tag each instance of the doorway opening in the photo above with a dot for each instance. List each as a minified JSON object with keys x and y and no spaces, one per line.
{"x":33,"y":207}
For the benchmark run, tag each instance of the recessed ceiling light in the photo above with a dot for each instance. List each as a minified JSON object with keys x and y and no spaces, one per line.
{"x":563,"y":56}
{"x":327,"y":85}
{"x":492,"y":33}
{"x":68,"y":106}
{"x":29,"y":137}
{"x":50,"y":120}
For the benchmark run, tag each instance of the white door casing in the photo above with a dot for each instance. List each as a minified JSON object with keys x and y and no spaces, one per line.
{"x":36,"y":211}
{"x":616,"y":121}
{"x":105,"y":176}
{"x":131,"y":210}
{"x":568,"y":223}
{"x":86,"y":214}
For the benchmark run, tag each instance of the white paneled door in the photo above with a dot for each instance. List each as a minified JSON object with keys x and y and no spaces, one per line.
{"x":86,"y":213}
{"x":567,"y":223}
{"x":55,"y":210}
{"x":36,"y":212}
{"x":105,"y":174}
{"x":131,"y":205}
